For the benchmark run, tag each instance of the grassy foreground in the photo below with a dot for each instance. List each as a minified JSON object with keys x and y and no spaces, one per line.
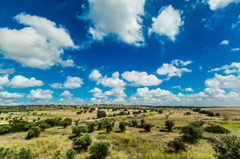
{"x":134,"y":143}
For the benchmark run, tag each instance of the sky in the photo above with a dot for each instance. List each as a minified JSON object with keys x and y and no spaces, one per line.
{"x":138,"y":52}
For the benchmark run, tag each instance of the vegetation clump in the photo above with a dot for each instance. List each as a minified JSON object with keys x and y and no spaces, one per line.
{"x":82,"y":141}
{"x":169,"y":125}
{"x":191,"y":133}
{"x":100,"y":150}
{"x":101,"y":114}
{"x":216,"y":129}
{"x":33,"y":132}
{"x":176,"y":146}
{"x":227,"y":148}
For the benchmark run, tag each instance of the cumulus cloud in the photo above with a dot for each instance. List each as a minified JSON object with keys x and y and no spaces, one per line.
{"x":39,"y":44}
{"x":95,"y":75}
{"x":8,"y":95}
{"x":141,"y":78}
{"x":121,"y":18}
{"x":70,"y":83}
{"x":113,"y":81}
{"x":23,"y":82}
{"x":66,"y":94}
{"x":4,"y":81}
{"x":181,"y":89}
{"x":40,"y":94}
{"x":175,"y":68}
{"x":167,"y":23}
{"x":218,"y":4}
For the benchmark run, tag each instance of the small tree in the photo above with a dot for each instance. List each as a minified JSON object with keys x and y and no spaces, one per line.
{"x":198,"y":124}
{"x":33,"y":132}
{"x":227,"y":148}
{"x":83,"y":141}
{"x":101,"y":114}
{"x":70,"y":154}
{"x":191,"y":133}
{"x":122,"y":126}
{"x":99,"y":150}
{"x":67,"y":122}
{"x":109,"y":127}
{"x":169,"y":125}
{"x":77,"y":130}
{"x":25,"y":153}
{"x":177,"y":145}
{"x":57,"y":154}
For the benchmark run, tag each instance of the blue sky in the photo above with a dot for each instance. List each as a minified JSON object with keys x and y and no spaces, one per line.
{"x":121,"y":52}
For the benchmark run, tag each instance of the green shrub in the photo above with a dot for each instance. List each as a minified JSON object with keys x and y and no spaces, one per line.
{"x":66,"y":122}
{"x":217,"y":129}
{"x":4,"y":129}
{"x":134,"y":123}
{"x":25,"y":153}
{"x":227,"y":148}
{"x":109,"y":127}
{"x":169,"y":125}
{"x":197,"y":123}
{"x":101,"y":114}
{"x":71,"y":154}
{"x":91,"y":127}
{"x":122,"y":126}
{"x":99,"y":150}
{"x":143,"y":122}
{"x":57,"y":154}
{"x":83,"y":141}
{"x":33,"y":132}
{"x":177,"y":145}
{"x":191,"y":133}
{"x":148,"y":127}
{"x":77,"y":130}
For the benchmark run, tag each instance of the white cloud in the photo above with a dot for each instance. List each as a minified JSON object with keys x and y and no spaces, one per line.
{"x":66,"y":94}
{"x":224,"y":42}
{"x":141,"y":78}
{"x":121,"y":18}
{"x":8,"y":95}
{"x":113,"y":81}
{"x":23,"y":82}
{"x":40,"y":94}
{"x":189,"y":89}
{"x":173,"y":69}
{"x":4,"y":81}
{"x":70,"y":83}
{"x":39,"y":44}
{"x":228,"y":69}
{"x":168,"y":23}
{"x":7,"y":71}
{"x":218,"y":4}
{"x":95,"y":75}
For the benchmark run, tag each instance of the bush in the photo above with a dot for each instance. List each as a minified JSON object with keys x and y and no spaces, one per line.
{"x":77,"y":130}
{"x":57,"y":154}
{"x":83,"y":141}
{"x":33,"y":132}
{"x":187,"y":113}
{"x":177,"y":145}
{"x":197,"y":123}
{"x":169,"y":125}
{"x":122,"y":126}
{"x":143,"y":122}
{"x":67,"y":122}
{"x":227,"y":148}
{"x":4,"y":129}
{"x":70,"y":154}
{"x":191,"y":133}
{"x":134,"y":123}
{"x":100,"y":150}
{"x":148,"y":127}
{"x":91,"y":127}
{"x":217,"y":129}
{"x":109,"y":127}
{"x":101,"y":114}
{"x":25,"y":153}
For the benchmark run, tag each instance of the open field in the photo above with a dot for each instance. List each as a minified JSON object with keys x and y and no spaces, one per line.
{"x":135,"y":142}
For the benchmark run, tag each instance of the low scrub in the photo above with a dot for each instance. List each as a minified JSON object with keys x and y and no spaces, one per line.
{"x":100,"y":150}
{"x":216,"y":129}
{"x":22,"y":153}
{"x":227,"y":148}
{"x":191,"y":134}
{"x":176,"y":145}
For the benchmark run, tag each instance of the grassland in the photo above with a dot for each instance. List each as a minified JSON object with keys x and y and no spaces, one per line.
{"x":140,"y":145}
